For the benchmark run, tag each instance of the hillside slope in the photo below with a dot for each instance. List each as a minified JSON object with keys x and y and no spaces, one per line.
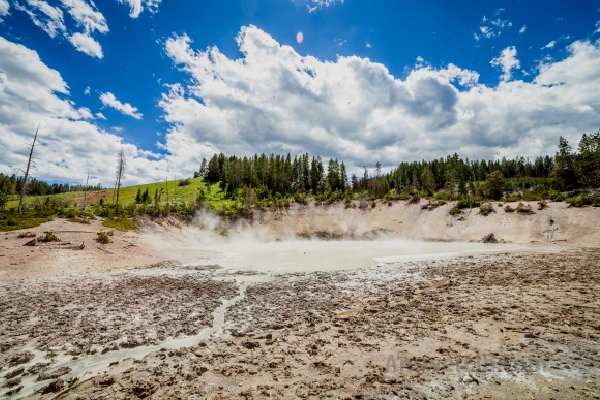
{"x":573,"y":225}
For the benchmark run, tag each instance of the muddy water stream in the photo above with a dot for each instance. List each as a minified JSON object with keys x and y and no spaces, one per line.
{"x":83,"y":368}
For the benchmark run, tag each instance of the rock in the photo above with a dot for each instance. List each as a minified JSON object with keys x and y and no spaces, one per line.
{"x":467,"y":378}
{"x":13,"y":391}
{"x":529,"y":335}
{"x":11,"y":383}
{"x":55,"y":374}
{"x":489,"y":238}
{"x":14,"y":373}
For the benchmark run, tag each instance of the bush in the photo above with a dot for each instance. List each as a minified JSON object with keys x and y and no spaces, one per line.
{"x":373,"y":204}
{"x":80,"y":220}
{"x":500,"y":204}
{"x":522,"y":208}
{"x":455,"y":210}
{"x":103,"y":237}
{"x":414,"y":200}
{"x":49,"y":237}
{"x":23,"y":235}
{"x":485,"y":209}
{"x":559,"y":197}
{"x":184,"y":182}
{"x":542,"y":204}
{"x":467,"y":203}
{"x":508,"y":208}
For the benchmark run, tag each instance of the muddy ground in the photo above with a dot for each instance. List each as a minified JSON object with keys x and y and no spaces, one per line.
{"x":525,"y":324}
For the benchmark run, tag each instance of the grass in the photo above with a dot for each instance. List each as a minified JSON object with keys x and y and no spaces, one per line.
{"x":120,"y":223}
{"x":127,"y":194}
{"x":24,"y":221}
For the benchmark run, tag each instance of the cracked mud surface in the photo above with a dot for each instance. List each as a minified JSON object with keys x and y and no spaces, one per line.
{"x":326,"y":334}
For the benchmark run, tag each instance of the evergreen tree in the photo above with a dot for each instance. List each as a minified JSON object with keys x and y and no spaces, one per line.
{"x":343,"y":177}
{"x":563,"y":173}
{"x":146,"y":197}
{"x":138,"y":197}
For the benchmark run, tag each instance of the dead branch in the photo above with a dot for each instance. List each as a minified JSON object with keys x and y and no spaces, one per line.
{"x":80,"y":247}
{"x":109,"y":252}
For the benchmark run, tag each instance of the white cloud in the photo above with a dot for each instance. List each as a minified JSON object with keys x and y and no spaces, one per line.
{"x":486,"y":32}
{"x":368,"y":45}
{"x":85,"y":113}
{"x":49,"y":18}
{"x":137,"y":6}
{"x":498,"y":12}
{"x":109,"y":99}
{"x":502,"y":24}
{"x":84,"y":15}
{"x":28,"y":97}
{"x":117,"y":128}
{"x":4,"y":8}
{"x":311,"y":9}
{"x":418,"y":115}
{"x":549,"y":45}
{"x":87,"y":91}
{"x":525,"y":72}
{"x":597,"y":26}
{"x":100,"y":116}
{"x":83,"y":42}
{"x":523,"y":29}
{"x":507,"y":61}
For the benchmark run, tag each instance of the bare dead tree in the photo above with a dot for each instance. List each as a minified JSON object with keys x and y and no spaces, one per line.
{"x":22,"y":194}
{"x":167,"y":189}
{"x":121,"y":167}
{"x":86,"y":186}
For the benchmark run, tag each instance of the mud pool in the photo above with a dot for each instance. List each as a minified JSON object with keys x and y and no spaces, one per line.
{"x":318,"y":255}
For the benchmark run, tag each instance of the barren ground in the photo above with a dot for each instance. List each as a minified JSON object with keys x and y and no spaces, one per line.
{"x":66,"y":313}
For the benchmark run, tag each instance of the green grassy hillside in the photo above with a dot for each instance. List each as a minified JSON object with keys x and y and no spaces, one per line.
{"x":127,"y":194}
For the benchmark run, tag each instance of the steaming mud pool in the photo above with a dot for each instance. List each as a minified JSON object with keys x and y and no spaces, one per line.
{"x":310,"y":319}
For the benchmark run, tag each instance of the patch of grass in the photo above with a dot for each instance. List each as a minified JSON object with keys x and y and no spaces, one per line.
{"x":542,"y":204}
{"x":80,"y":220}
{"x":120,"y":223}
{"x":23,"y":235}
{"x":508,"y":208}
{"x":16,"y":222}
{"x":455,"y":210}
{"x":49,"y":237}
{"x":522,"y":208}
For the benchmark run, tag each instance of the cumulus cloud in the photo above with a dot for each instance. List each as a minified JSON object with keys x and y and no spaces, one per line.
{"x":49,"y":18}
{"x":86,"y":16}
{"x":502,"y":24}
{"x":549,"y":45}
{"x":368,"y":45}
{"x":498,"y":11}
{"x":488,"y":32}
{"x":71,"y":144}
{"x":4,"y":8}
{"x":84,"y":43}
{"x":311,"y":9}
{"x":523,"y":29}
{"x":507,"y":61}
{"x":418,"y":117}
{"x":597,"y":26}
{"x":109,"y":99}
{"x":100,"y":116}
{"x":137,"y":6}
{"x":87,"y":91}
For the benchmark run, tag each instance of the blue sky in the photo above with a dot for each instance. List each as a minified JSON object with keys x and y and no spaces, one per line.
{"x":420,"y":79}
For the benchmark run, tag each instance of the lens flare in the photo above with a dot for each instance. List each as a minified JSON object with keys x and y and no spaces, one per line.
{"x":299,"y":37}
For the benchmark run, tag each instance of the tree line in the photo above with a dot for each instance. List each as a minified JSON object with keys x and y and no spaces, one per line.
{"x":11,"y":184}
{"x":269,"y":175}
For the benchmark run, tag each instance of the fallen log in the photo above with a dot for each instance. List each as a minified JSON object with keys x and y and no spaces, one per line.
{"x":109,"y":252}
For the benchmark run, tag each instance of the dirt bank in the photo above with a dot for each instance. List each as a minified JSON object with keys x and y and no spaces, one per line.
{"x":576,"y":226}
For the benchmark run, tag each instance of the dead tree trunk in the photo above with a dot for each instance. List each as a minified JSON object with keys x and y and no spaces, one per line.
{"x":86,"y":186}
{"x":22,"y":199}
{"x":167,"y":188}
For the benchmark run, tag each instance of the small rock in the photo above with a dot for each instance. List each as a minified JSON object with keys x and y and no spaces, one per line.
{"x":529,"y":335}
{"x":487,"y":396}
{"x":467,"y":378}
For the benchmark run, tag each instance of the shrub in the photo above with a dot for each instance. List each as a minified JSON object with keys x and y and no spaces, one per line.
{"x":455,"y":210}
{"x":373,"y":204}
{"x":559,"y":197}
{"x":500,"y":204}
{"x":414,"y":200}
{"x":522,"y":208}
{"x":80,"y":220}
{"x":184,"y":182}
{"x":485,"y":209}
{"x":49,"y":237}
{"x":103,"y":237}
{"x":508,"y":208}
{"x":23,"y":235}
{"x":542,"y":204}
